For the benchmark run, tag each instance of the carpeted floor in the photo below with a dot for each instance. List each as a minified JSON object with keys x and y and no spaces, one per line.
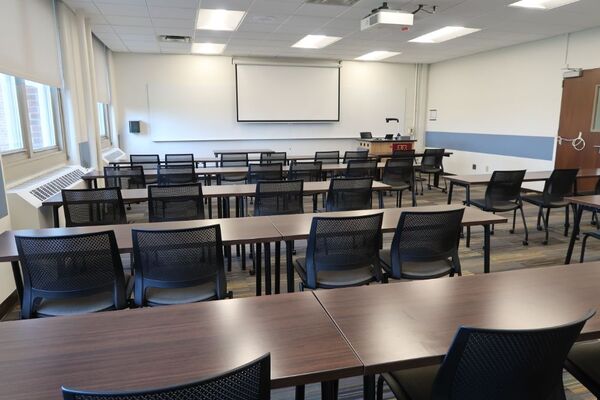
{"x":507,"y":253}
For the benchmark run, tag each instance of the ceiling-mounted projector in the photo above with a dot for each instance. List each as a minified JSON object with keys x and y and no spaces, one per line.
{"x":383,"y":16}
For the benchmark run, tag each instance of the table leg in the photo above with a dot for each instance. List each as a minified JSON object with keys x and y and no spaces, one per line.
{"x":289,"y":267}
{"x":277,"y":267}
{"x":209,"y":203}
{"x":55,"y":216}
{"x":450,"y":190}
{"x":468,"y":195}
{"x":16,"y":268}
{"x":88,"y":183}
{"x":380,"y":194}
{"x":486,"y":249}
{"x":574,"y":233}
{"x":267,"y":268}
{"x":257,"y":268}
{"x":329,"y":390}
{"x":369,"y":387}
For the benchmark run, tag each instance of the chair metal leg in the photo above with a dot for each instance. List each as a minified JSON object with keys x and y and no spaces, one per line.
{"x":583,"y":244}
{"x":514,"y":221}
{"x":546,"y":225}
{"x":468,"y":241}
{"x":380,"y":388}
{"x":526,"y":241}
{"x":300,"y":392}
{"x":539,"y":218}
{"x":567,"y":221}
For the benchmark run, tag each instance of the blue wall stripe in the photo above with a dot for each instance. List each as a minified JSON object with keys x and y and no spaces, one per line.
{"x":537,"y":147}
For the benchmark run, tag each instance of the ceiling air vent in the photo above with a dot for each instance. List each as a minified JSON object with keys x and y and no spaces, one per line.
{"x":347,"y":3}
{"x":174,"y":39}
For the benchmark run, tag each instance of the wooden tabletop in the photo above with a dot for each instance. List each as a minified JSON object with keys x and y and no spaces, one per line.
{"x":164,"y":346}
{"x":137,"y":195}
{"x":530,"y":176}
{"x":95,"y":174}
{"x":249,"y":151}
{"x":233,"y":230}
{"x":411,"y":324}
{"x":297,"y":226}
{"x":588,"y":201}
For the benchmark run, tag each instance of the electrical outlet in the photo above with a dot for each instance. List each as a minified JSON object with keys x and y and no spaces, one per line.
{"x":474,"y":166}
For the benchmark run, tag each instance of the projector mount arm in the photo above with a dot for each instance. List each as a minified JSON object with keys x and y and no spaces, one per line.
{"x":422,"y":7}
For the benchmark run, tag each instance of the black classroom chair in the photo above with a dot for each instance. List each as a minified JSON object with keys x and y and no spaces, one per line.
{"x":399,"y":173}
{"x":147,"y":162}
{"x":341,"y":252}
{"x":180,"y":159}
{"x":582,"y":362}
{"x":279,"y":198}
{"x":175,"y":203}
{"x":404,"y":154}
{"x":178,"y":266}
{"x":347,"y":194}
{"x":561,"y":184}
{"x":177,"y":175}
{"x":125,"y":177}
{"x":88,"y":207}
{"x":503,"y":194}
{"x":70,"y":275}
{"x":425,"y":246}
{"x":328,"y":157}
{"x":366,"y":168}
{"x":432,"y":163}
{"x":310,"y":171}
{"x":233,"y":160}
{"x":355,"y":155}
{"x":492,"y":364}
{"x":265,"y":172}
{"x":251,"y":381}
{"x":274,"y":157}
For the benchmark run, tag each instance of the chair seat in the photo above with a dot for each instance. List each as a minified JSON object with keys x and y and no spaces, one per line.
{"x":429,"y":170}
{"x":594,"y":234}
{"x":167,"y":296}
{"x":74,"y":306}
{"x":499,"y":205}
{"x":538,"y":200}
{"x":417,"y":270}
{"x":233,"y":177}
{"x":349,"y":277}
{"x":412,"y":384}
{"x":103,"y":301}
{"x":398,"y":186}
{"x":583,"y":362}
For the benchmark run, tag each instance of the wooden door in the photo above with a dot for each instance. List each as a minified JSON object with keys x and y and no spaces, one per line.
{"x":576,"y":115}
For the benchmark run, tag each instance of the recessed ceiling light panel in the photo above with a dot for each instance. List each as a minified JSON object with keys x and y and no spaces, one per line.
{"x":315,"y":41}
{"x":208,"y":48}
{"x":542,"y":4}
{"x":444,"y":34}
{"x":219,"y":20}
{"x":377,"y":55}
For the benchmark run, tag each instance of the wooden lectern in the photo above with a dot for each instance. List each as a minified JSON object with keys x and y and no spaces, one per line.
{"x":383,"y":147}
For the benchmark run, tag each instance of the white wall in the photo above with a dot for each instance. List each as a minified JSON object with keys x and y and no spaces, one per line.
{"x":369,"y":93}
{"x":512,"y":91}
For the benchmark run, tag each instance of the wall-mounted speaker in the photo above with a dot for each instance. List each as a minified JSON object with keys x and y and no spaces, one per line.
{"x":134,"y":127}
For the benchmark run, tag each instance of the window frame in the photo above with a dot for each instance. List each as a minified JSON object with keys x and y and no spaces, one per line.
{"x":106,"y":140}
{"x":27,"y":152}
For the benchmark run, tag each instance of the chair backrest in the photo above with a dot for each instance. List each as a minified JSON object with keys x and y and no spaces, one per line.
{"x":349,"y":194}
{"x":504,"y":186}
{"x":175,"y":203}
{"x":178,"y":259}
{"x":265,"y":172}
{"x":355,"y":155}
{"x":125,"y":177}
{"x":362,"y":168}
{"x":328,"y":157}
{"x":251,"y":381}
{"x":66,"y":267}
{"x":497,"y":364}
{"x":146,"y":161}
{"x":343,"y":243}
{"x":560,"y":184}
{"x":274,"y":157}
{"x":307,"y":171}
{"x":86,"y":207}
{"x":234,"y":159}
{"x":179,"y":159}
{"x":425,"y":236}
{"x":177,"y":175}
{"x":279,"y":197}
{"x":433,"y":158}
{"x":399,"y":171}
{"x":403,"y":154}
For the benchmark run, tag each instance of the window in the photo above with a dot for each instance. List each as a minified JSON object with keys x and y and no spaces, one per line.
{"x":29,"y":117}
{"x":40,"y":117}
{"x":11,"y":137}
{"x":103,"y":119}
{"x":596,"y":116}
